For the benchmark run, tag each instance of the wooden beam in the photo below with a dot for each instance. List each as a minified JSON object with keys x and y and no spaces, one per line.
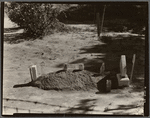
{"x":79,"y":66}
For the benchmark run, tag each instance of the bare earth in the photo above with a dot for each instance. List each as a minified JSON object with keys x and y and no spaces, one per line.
{"x":49,"y":54}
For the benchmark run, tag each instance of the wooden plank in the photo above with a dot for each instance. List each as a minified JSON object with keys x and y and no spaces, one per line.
{"x":79,"y":66}
{"x":33,"y":72}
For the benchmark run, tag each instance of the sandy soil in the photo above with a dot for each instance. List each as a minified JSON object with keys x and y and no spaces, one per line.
{"x":49,"y":54}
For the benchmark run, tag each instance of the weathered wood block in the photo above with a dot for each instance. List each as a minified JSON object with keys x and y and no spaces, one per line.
{"x":33,"y":72}
{"x":123,"y":68}
{"x":123,"y":81}
{"x":108,"y":85}
{"x":104,"y":84}
{"x":79,"y":66}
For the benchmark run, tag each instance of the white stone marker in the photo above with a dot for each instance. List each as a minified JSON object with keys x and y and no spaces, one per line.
{"x":33,"y":72}
{"x":123,"y":79}
{"x":123,"y":68}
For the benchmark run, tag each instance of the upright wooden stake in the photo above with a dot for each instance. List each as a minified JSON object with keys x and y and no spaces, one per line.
{"x":102,"y":23}
{"x":133,"y":61}
{"x":98,"y":24}
{"x":33,"y":72}
{"x":123,"y":69}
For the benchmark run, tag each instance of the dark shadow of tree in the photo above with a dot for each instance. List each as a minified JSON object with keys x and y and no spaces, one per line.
{"x":114,"y":48}
{"x":83,"y":107}
{"x":13,"y":37}
{"x":110,"y":52}
{"x":117,"y":46}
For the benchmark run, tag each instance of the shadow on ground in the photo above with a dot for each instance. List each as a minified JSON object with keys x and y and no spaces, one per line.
{"x":117,"y":46}
{"x":122,"y":109}
{"x":110,"y":52}
{"x":84,"y":106}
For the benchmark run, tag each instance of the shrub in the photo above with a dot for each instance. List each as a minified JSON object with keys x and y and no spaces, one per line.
{"x":36,"y":18}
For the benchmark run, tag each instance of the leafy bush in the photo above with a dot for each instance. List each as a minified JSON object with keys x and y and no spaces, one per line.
{"x":36,"y":18}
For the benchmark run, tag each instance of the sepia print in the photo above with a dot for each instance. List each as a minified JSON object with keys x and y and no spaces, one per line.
{"x":74,"y":58}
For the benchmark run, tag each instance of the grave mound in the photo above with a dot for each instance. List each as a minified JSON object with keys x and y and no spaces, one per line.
{"x":66,"y":80}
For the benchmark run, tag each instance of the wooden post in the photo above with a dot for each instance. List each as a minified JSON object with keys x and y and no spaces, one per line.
{"x":123,"y":69}
{"x":33,"y":72}
{"x":102,"y":23}
{"x":98,"y":24}
{"x":133,"y":61}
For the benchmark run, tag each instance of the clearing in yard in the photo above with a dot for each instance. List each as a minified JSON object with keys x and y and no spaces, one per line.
{"x":50,"y":54}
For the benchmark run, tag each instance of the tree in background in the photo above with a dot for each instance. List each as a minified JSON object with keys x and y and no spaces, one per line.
{"x":119,"y":16}
{"x":36,"y":18}
{"x":43,"y":18}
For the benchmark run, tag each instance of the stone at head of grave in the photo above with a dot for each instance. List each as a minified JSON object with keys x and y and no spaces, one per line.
{"x":33,"y":72}
{"x":81,"y":66}
{"x":123,"y":81}
{"x":102,"y":69}
{"x":123,"y":69}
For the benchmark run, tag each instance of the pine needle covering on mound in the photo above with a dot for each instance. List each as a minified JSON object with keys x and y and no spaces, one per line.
{"x":70,"y":80}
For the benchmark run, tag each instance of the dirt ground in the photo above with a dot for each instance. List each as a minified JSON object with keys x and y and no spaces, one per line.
{"x":49,"y":54}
